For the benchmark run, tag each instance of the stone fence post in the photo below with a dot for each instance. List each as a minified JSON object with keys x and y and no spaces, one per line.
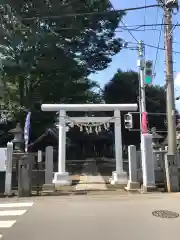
{"x":48,"y":186}
{"x":133,"y":183}
{"x":147,"y":163}
{"x":8,"y":175}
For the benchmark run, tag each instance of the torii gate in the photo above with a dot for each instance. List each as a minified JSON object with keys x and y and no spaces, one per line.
{"x":62,"y":177}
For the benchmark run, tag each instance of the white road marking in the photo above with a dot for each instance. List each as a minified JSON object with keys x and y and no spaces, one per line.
{"x":14,"y":205}
{"x":12,"y":213}
{"x":10,"y":223}
{"x":7,"y":224}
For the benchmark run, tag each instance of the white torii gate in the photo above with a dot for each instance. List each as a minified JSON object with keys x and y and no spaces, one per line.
{"x":62,"y":177}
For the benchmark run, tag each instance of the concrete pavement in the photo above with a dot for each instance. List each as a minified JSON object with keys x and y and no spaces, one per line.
{"x":103,"y":217}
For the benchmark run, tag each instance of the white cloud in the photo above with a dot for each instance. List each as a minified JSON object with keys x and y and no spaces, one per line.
{"x":177,"y":79}
{"x":177,"y":105}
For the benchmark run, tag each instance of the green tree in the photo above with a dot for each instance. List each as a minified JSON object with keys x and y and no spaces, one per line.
{"x":48,"y":35}
{"x":71,"y":27}
{"x":51,"y":46}
{"x":124,"y":88}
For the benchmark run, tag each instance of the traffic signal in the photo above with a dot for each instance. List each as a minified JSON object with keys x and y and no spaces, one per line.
{"x":128,"y":121}
{"x":148,"y":72}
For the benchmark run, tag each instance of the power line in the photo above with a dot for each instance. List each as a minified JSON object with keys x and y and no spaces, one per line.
{"x":136,"y":30}
{"x":124,"y":23}
{"x":152,"y":46}
{"x":145,"y":16}
{"x":132,"y":35}
{"x":154,"y":68}
{"x":148,"y":45}
{"x":118,"y":27}
{"x":91,"y":13}
{"x":176,"y":42}
{"x":155,"y":27}
{"x":160,"y":48}
{"x":149,"y":25}
{"x":126,"y":27}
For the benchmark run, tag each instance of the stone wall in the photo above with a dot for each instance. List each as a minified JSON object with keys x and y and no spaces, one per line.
{"x":105,"y":167}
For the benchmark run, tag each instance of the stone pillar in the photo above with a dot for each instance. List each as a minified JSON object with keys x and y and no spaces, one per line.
{"x":48,"y":186}
{"x":61,"y":177}
{"x":62,"y":142}
{"x":172,"y":173}
{"x":8,"y":176}
{"x":147,"y":163}
{"x":133,"y":183}
{"x":25,"y":175}
{"x":119,"y":176}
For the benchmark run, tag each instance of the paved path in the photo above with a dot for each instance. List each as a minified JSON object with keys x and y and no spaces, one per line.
{"x":90,"y":178}
{"x":102,"y":217}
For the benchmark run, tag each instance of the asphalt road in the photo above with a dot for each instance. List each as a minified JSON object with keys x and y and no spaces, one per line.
{"x":95,"y":217}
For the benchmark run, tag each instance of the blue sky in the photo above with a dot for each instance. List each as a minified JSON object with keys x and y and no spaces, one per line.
{"x":127,"y":59}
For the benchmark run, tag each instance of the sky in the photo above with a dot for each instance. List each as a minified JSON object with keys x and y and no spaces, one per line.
{"x":127,"y":59}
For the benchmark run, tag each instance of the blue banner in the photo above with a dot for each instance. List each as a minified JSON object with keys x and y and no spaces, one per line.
{"x":26,"y":130}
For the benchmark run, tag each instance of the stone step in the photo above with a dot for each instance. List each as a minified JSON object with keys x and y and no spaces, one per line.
{"x":92,"y":186}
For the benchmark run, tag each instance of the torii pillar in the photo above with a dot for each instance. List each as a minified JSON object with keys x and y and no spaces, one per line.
{"x":62,"y":177}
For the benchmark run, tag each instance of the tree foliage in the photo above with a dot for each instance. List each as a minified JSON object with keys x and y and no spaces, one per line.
{"x":51,"y":48}
{"x":124,"y":88}
{"x":48,"y":49}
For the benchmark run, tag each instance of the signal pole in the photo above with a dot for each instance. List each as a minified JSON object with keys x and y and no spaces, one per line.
{"x":142,"y":96}
{"x":141,"y":65}
{"x":146,"y":139}
{"x":145,"y":73}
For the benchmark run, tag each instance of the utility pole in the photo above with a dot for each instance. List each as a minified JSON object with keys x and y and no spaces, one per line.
{"x":171,"y":170}
{"x":170,"y":101}
{"x":140,"y":63}
{"x":146,"y":139}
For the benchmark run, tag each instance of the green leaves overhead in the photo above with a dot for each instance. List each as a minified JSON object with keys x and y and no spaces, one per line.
{"x":50,"y":45}
{"x":124,"y":88}
{"x":58,"y":27}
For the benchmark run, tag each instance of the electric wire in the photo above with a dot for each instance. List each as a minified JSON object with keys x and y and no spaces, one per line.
{"x":132,"y":35}
{"x":126,"y":27}
{"x":155,"y":27}
{"x":135,"y":43}
{"x":118,"y":29}
{"x":137,"y":30}
{"x":157,"y":51}
{"x":144,"y":18}
{"x":152,"y":46}
{"x":148,"y":45}
{"x":176,"y":42}
{"x":90,"y":13}
{"x":134,"y":27}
